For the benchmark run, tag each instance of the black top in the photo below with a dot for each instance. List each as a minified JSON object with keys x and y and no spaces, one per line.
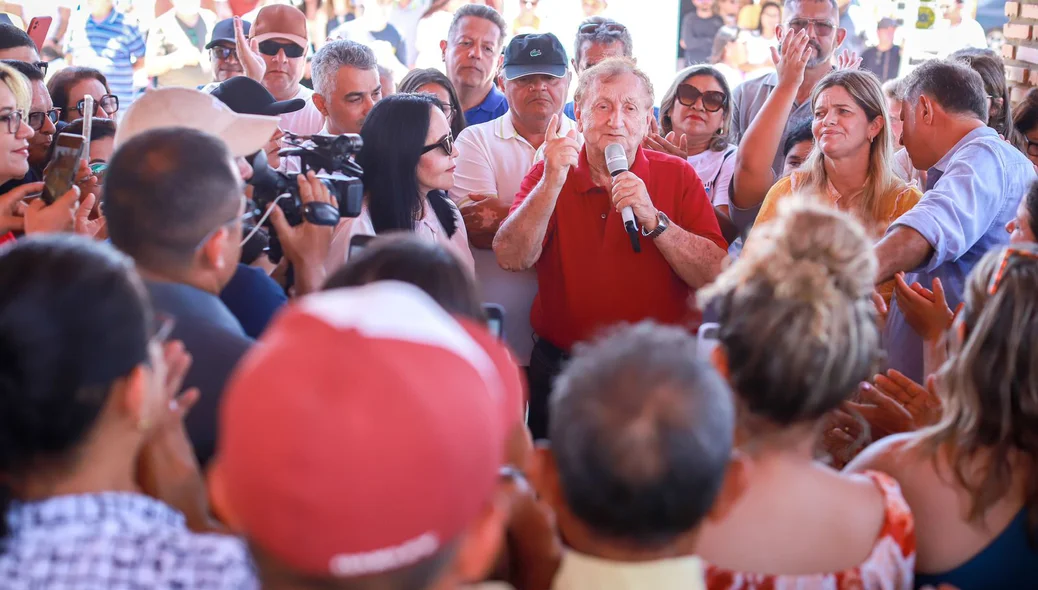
{"x":885,"y":64}
{"x":698,"y":35}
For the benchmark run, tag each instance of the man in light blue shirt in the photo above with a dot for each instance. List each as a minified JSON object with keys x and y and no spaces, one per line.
{"x":975,"y":181}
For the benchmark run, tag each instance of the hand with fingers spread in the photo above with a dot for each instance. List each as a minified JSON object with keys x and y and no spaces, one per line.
{"x":11,"y":206}
{"x":251,"y":61}
{"x":561,"y":152}
{"x":671,"y":144}
{"x":483,"y":216}
{"x":306,"y":245}
{"x":59,"y":216}
{"x":883,"y":413}
{"x":791,"y":57}
{"x":848,"y":60}
{"x":925,"y":310}
{"x":843,"y":436}
{"x":96,"y":228}
{"x":167,"y":468}
{"x":921,"y":403}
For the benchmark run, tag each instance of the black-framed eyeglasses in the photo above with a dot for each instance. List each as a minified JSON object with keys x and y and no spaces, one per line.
{"x":446,"y":143}
{"x":592,"y":28}
{"x":37,"y":118}
{"x":224,"y":52}
{"x":248,"y":214}
{"x":13,"y":120}
{"x":713,"y":100}
{"x":271,"y":48}
{"x":109,"y":103}
{"x":448,"y":111}
{"x":823,"y":28}
{"x":42,"y":66}
{"x":1003,"y":266}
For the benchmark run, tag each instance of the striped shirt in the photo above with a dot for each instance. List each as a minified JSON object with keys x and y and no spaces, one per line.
{"x":108,"y":46}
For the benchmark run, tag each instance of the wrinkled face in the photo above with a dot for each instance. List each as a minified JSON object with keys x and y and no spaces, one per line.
{"x":436,"y":166}
{"x":535,"y":98}
{"x":696,"y":121}
{"x":42,"y":138}
{"x":473,"y":54}
{"x":1020,"y":228}
{"x":14,"y":147}
{"x":354,"y":94}
{"x":283,"y":72}
{"x":616,"y":110}
{"x":796,"y":156}
{"x":593,"y":53}
{"x":223,"y":58}
{"x":840,"y":125}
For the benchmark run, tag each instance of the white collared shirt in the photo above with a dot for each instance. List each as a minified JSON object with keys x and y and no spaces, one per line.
{"x":493,"y":158}
{"x":584,"y":572}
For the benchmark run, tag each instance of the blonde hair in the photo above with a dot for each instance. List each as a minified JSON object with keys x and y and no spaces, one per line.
{"x":720,"y":142}
{"x":989,"y":385}
{"x":606,"y":70}
{"x":19,"y":87}
{"x":881,"y":181}
{"x":797,"y":320}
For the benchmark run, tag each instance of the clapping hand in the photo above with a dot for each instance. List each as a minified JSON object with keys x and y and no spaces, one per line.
{"x":925,"y":310}
{"x":671,"y":144}
{"x":922,"y":403}
{"x":848,"y":60}
{"x":483,"y":217}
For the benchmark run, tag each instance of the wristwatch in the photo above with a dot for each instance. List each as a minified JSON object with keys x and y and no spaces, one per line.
{"x":662,"y":223}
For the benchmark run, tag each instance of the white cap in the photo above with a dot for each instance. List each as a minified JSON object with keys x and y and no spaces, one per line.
{"x":186,"y":107}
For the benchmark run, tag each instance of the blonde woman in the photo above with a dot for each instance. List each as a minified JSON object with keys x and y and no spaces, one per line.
{"x":972,"y":479}
{"x":851,"y":166}
{"x":797,"y":335}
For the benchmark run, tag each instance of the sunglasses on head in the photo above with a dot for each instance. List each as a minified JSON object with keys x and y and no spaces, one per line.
{"x":109,"y":103}
{"x":713,"y":100}
{"x":272,"y":48}
{"x":592,"y":28}
{"x":823,"y":28}
{"x":223,"y":52}
{"x":446,"y":144}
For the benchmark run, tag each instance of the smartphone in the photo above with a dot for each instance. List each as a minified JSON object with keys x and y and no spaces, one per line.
{"x":88,"y":122}
{"x":358,"y":243}
{"x":61,"y":173}
{"x":495,"y":319}
{"x":37,"y":31}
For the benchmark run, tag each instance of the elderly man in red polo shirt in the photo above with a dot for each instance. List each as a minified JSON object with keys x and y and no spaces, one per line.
{"x":566,"y":222}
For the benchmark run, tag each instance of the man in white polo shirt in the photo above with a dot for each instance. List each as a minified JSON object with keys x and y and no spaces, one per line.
{"x":493,"y":158}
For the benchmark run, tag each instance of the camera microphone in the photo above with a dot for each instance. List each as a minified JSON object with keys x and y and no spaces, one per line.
{"x":616,"y":162}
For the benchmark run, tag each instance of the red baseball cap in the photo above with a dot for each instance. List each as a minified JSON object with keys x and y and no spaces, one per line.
{"x":362,"y":433}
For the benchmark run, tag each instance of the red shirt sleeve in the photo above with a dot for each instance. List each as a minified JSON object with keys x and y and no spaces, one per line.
{"x":8,"y":237}
{"x":696,"y":213}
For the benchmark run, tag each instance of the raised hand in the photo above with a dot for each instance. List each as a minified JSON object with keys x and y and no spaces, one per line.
{"x":671,"y":144}
{"x":921,"y":403}
{"x":251,"y":61}
{"x":848,"y":60}
{"x":926,"y":311}
{"x":791,"y":57}
{"x":883,"y":413}
{"x":561,"y":152}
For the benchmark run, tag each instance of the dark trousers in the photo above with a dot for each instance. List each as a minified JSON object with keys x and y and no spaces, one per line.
{"x":546,"y":363}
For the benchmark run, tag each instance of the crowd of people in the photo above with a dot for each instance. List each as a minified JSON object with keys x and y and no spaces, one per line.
{"x":774,"y":333}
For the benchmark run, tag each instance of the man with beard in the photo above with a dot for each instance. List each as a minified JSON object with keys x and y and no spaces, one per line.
{"x":820,"y":18}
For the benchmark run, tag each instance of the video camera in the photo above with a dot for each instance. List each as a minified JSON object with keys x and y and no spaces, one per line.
{"x":332,"y":154}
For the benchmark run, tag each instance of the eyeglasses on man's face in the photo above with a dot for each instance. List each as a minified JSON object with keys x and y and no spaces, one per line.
{"x":37,"y":118}
{"x":823,"y":28}
{"x":224,"y":53}
{"x":271,"y":48}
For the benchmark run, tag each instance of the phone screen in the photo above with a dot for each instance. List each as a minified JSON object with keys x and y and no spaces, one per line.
{"x":495,"y":319}
{"x":61,"y":173}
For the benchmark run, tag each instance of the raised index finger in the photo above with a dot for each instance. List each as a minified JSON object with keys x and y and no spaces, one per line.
{"x":554,"y":126}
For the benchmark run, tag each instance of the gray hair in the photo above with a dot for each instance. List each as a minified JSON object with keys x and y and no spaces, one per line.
{"x":958,"y":88}
{"x":339,"y":54}
{"x":479,"y":11}
{"x":611,"y":68}
{"x":603,"y":36}
{"x":789,"y":5}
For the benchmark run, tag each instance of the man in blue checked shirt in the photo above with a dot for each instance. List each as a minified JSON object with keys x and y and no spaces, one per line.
{"x":106,"y":40}
{"x":975,"y":181}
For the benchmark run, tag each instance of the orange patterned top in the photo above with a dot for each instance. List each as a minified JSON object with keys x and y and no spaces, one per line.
{"x":888,"y":567}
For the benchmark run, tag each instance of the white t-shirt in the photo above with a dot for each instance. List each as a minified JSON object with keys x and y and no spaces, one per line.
{"x":715,"y":169}
{"x":493,"y":159}
{"x":307,"y":120}
{"x":968,"y":33}
{"x":430,"y":31}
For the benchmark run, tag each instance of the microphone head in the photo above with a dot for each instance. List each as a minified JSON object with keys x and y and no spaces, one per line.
{"x":616,"y":158}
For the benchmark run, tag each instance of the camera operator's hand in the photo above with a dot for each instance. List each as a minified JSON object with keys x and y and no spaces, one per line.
{"x":306,"y":245}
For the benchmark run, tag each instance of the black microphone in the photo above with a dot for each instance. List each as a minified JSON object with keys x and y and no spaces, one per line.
{"x":616,"y":162}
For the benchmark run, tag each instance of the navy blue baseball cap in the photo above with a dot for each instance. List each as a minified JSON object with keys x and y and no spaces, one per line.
{"x":535,"y":54}
{"x":223,"y":32}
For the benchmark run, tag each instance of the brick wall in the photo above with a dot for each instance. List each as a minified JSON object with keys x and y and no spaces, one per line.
{"x":1021,"y":47}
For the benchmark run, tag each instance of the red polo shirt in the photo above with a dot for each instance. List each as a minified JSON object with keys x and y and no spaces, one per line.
{"x":588,"y":276}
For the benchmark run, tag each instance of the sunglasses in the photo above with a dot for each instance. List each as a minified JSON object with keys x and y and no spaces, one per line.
{"x":713,"y":100}
{"x":446,"y":144}
{"x":1007,"y":257}
{"x":37,"y":118}
{"x":13,"y":120}
{"x":109,"y":103}
{"x":823,"y":28}
{"x":222,"y":52}
{"x":609,"y":28}
{"x":272,"y":48}
{"x":42,"y":66}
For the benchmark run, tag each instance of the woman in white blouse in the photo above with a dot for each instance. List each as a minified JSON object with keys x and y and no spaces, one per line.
{"x":408,"y":161}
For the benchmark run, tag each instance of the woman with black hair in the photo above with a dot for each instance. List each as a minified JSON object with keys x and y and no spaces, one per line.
{"x":89,"y":417}
{"x":434,"y":82}
{"x":408,"y":161}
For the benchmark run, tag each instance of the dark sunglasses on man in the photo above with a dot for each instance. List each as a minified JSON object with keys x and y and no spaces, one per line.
{"x":271,"y":48}
{"x":224,"y":52}
{"x":446,"y":143}
{"x":823,"y":28}
{"x":713,"y":100}
{"x":37,"y":118}
{"x":109,"y":103}
{"x":42,"y":65}
{"x":592,"y":28}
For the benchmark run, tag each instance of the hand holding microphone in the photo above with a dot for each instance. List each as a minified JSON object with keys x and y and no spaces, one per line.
{"x":630,"y":197}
